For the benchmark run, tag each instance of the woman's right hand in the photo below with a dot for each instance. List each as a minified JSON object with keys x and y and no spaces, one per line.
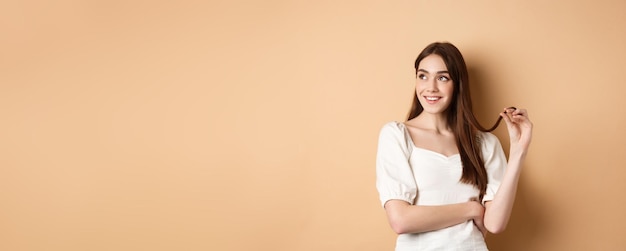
{"x":478,"y":215}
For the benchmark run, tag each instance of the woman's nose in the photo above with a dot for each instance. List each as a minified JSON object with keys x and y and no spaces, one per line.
{"x":432,"y":85}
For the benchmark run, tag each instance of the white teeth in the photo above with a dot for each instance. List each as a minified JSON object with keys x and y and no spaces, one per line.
{"x":432,"y":98}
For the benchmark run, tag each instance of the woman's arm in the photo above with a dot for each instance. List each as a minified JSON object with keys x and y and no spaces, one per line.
{"x":406,"y":218}
{"x":498,"y":211}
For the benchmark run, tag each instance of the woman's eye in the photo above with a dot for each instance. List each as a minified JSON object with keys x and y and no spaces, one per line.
{"x":421,"y":76}
{"x":443,"y":78}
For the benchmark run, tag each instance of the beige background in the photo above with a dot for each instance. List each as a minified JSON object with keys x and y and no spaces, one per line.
{"x":252,"y":125}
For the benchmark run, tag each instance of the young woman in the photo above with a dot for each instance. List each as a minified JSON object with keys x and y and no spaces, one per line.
{"x":443,"y":179}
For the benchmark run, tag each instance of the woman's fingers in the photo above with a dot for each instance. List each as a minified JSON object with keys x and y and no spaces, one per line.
{"x":507,"y":114}
{"x":510,"y":109}
{"x":481,"y":226}
{"x":520,"y":113}
{"x":512,"y":114}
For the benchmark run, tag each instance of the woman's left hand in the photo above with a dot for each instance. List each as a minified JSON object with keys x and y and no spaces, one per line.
{"x":520,"y":128}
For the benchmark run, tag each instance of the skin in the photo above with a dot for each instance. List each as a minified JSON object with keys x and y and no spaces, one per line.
{"x":434,"y":90}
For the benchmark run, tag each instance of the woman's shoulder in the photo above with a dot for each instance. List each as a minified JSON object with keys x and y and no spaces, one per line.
{"x":393,"y":127}
{"x":488,"y":139}
{"x":394,"y":134}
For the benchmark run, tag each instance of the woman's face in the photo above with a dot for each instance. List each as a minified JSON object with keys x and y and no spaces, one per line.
{"x":434,"y":86}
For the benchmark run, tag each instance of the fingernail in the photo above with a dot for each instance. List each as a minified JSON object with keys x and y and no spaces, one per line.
{"x":510,"y":108}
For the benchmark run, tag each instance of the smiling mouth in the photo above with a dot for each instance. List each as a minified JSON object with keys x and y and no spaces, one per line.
{"x":432,"y":98}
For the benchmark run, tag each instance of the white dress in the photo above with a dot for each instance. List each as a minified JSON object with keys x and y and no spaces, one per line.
{"x":423,"y":177}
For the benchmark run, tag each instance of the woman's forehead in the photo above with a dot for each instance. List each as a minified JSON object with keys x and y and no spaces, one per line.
{"x":432,"y":63}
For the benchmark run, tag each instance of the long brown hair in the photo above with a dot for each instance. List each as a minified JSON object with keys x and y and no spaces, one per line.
{"x":460,"y":117}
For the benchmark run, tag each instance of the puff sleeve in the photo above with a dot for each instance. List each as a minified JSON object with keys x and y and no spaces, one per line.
{"x":394,"y":176}
{"x":495,"y":164}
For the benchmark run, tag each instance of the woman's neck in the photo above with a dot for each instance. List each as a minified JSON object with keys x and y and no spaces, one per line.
{"x":436,"y":122}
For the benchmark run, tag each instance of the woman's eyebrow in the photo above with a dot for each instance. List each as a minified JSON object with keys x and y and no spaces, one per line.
{"x":425,"y":71}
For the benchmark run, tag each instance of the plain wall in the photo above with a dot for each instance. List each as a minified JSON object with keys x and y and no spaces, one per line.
{"x":253,"y":125}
